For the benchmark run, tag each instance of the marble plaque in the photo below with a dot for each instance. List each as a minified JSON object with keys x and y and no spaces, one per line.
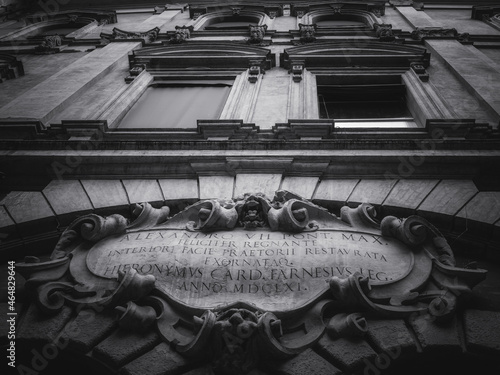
{"x":271,"y":270}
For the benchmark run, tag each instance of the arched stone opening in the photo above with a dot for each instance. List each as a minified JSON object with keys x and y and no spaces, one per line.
{"x":227,"y":21}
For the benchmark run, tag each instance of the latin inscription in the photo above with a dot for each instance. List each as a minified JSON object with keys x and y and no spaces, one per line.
{"x":260,"y":267}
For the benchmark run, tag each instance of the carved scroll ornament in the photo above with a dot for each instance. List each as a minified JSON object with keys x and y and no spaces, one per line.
{"x":251,"y":278}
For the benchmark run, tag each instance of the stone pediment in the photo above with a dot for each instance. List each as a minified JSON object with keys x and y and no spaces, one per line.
{"x":251,"y":270}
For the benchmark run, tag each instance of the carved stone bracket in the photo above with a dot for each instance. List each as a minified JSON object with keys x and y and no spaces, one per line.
{"x":300,"y":11}
{"x":297,"y":71}
{"x":272,"y":11}
{"x":384,"y":32}
{"x":421,"y":71}
{"x":10,"y":67}
{"x":257,"y":33}
{"x":307,"y":33}
{"x":438,"y":33}
{"x":49,"y":45}
{"x":147,"y":36}
{"x":181,"y":35}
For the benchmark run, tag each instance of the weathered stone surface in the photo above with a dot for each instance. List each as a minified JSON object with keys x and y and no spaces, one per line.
{"x":371,"y":191}
{"x":31,"y":211}
{"x":161,"y":360}
{"x":179,"y":188}
{"x":391,"y":335}
{"x":436,"y":337}
{"x":17,"y":203}
{"x":139,"y":191}
{"x":406,"y":196}
{"x":5,"y":220}
{"x":68,"y":199}
{"x":334,"y":194}
{"x":216,"y":187}
{"x":255,"y":183}
{"x":447,"y":198}
{"x":35,"y":327}
{"x":480,"y":213}
{"x":204,"y":370}
{"x":416,"y":18}
{"x":272,"y":270}
{"x":124,"y":346}
{"x":303,"y":186}
{"x":58,"y":91}
{"x":106,"y":193}
{"x":482,"y":331}
{"x":88,"y":328}
{"x":479,"y":76}
{"x":349,"y":353}
{"x":306,"y":362}
{"x":8,"y":228}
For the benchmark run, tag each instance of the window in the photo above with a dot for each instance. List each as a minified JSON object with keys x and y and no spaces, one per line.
{"x":232,"y":23}
{"x":177,"y":105}
{"x":362,"y":100}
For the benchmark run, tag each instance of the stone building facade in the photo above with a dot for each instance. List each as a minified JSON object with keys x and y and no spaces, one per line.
{"x":347,"y":112}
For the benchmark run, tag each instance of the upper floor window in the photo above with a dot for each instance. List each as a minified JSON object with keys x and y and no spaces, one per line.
{"x":177,"y":105}
{"x":232,"y":23}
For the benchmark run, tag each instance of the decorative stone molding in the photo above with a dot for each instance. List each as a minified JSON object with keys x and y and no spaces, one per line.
{"x":229,"y":281}
{"x":196,"y":12}
{"x":438,"y":33}
{"x":307,"y":33}
{"x":117,"y":34}
{"x":300,"y":10}
{"x":297,"y":70}
{"x":49,"y":45}
{"x":236,"y":10}
{"x":421,"y":72}
{"x":10,"y":67}
{"x":384,"y":32}
{"x":181,"y":35}
{"x":273,"y":11}
{"x":257,"y":33}
{"x":134,"y":72}
{"x":484,"y":12}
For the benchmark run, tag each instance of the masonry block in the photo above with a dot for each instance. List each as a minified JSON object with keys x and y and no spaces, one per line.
{"x":306,"y":362}
{"x":436,"y":337}
{"x":391,"y":336}
{"x":303,"y":186}
{"x":89,"y":328}
{"x":482,"y":331}
{"x":444,"y":202}
{"x":479,"y":214}
{"x":406,"y":196}
{"x":348,"y":353}
{"x":140,"y":191}
{"x":68,"y":200}
{"x":161,"y":360}
{"x":122,"y":347}
{"x":371,"y":191}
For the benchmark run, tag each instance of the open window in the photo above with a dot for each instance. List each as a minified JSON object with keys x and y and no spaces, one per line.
{"x":362,"y":101}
